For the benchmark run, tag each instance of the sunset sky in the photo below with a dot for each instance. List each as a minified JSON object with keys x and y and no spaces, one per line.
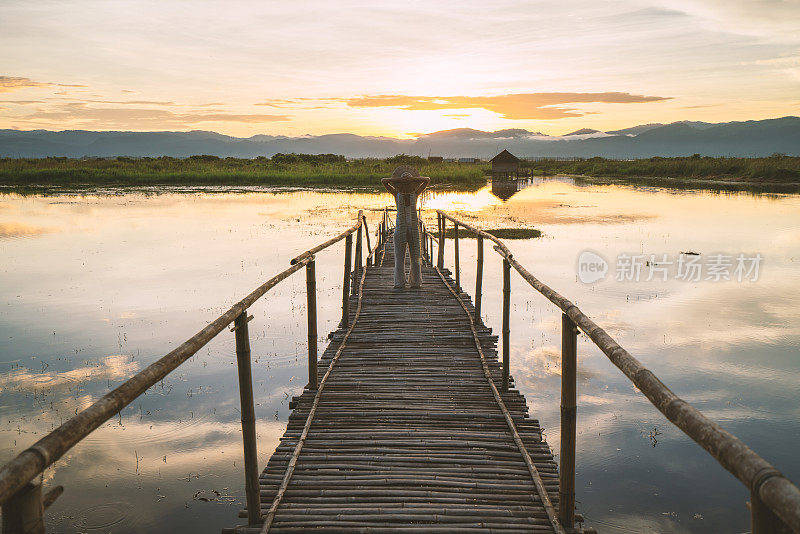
{"x":394,"y":68}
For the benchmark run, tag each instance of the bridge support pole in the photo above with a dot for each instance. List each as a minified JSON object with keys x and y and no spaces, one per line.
{"x":457,"y":259}
{"x":251,"y":485}
{"x":381,"y":243}
{"x":423,"y":239}
{"x":348,"y":258}
{"x":440,"y":261}
{"x":428,"y":243}
{"x":366,"y":236}
{"x":385,"y":239}
{"x":762,"y":519}
{"x":566,"y":471}
{"x":357,"y":267}
{"x":478,"y":282}
{"x":385,"y":231}
{"x":23,"y":513}
{"x":506,"y":319}
{"x":311,"y":299}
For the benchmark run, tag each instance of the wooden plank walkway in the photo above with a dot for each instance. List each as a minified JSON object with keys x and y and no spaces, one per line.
{"x":407,"y":435}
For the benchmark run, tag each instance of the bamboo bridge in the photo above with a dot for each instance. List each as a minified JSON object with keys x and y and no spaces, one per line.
{"x":410,"y":421}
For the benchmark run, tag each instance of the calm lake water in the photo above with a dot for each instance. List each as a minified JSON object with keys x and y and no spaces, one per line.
{"x":94,"y":287}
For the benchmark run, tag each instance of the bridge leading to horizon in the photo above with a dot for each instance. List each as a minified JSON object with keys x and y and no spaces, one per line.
{"x":409,"y":421}
{"x":410,"y":429}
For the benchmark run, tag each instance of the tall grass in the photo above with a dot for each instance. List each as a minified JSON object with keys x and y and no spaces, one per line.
{"x":288,"y":170}
{"x":210,"y":170}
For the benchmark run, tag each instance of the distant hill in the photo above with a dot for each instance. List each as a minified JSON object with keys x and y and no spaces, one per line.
{"x":582,"y":131}
{"x":747,"y":138}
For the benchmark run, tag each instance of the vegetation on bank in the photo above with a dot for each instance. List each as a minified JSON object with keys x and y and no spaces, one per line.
{"x":777,"y":168}
{"x":309,"y":170}
{"x":280,"y":170}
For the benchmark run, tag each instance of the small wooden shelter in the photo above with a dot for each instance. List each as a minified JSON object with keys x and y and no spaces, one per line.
{"x":505,"y":165}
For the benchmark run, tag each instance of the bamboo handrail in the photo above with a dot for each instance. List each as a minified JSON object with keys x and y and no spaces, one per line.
{"x":29,"y":463}
{"x":763,"y":480}
{"x":332,"y":241}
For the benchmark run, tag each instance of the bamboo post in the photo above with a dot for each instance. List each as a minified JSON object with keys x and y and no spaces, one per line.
{"x":366,"y":235}
{"x":506,"y":317}
{"x":429,"y":240}
{"x":357,"y":266}
{"x":428,"y":250}
{"x":442,"y":227}
{"x":439,"y":233}
{"x":23,"y":513}
{"x":762,"y":519}
{"x":423,"y":241}
{"x":385,"y":236}
{"x":379,"y":249}
{"x":311,"y":296}
{"x":348,"y":258}
{"x":251,"y":485}
{"x":478,"y":282}
{"x":566,"y":471}
{"x":385,"y":231}
{"x":457,"y":259}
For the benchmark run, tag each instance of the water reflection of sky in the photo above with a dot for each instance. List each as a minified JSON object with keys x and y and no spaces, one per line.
{"x":94,"y":288}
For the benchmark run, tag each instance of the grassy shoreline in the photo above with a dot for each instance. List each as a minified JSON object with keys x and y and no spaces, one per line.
{"x":209,"y":170}
{"x":773,"y":169}
{"x":779,"y":174}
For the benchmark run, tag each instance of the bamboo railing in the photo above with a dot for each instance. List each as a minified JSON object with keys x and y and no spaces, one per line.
{"x":22,"y":501}
{"x":774,"y":499}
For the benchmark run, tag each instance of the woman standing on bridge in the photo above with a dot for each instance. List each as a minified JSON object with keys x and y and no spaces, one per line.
{"x":406,"y":185}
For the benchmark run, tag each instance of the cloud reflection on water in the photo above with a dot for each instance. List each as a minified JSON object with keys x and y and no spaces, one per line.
{"x":113,"y":367}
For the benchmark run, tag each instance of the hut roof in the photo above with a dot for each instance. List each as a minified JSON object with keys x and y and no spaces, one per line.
{"x":505,"y":157}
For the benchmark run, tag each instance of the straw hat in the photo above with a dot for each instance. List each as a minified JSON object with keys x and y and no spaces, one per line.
{"x":405,"y":171}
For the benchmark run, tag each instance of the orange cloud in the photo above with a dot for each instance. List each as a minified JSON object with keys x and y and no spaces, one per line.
{"x":133,"y":102}
{"x":14,"y":83}
{"x":322,"y":103}
{"x":22,"y":102}
{"x":102,"y":117}
{"x":512,"y":106}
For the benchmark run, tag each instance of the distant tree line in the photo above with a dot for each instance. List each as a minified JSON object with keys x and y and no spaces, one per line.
{"x":204,"y":169}
{"x":312,"y":159}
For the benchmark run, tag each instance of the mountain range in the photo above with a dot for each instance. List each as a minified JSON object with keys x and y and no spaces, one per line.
{"x":684,"y":138}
